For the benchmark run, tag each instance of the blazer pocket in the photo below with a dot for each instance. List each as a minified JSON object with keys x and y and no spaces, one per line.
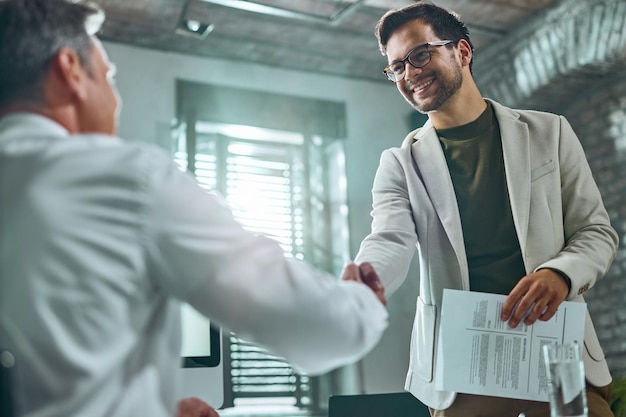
{"x":541,"y":171}
{"x":423,"y":340}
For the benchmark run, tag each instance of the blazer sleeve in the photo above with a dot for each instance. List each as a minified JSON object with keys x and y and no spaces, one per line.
{"x":590,"y":241}
{"x":390,"y":246}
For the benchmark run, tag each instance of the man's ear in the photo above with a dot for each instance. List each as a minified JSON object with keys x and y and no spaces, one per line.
{"x":465,"y":51}
{"x":70,"y":73}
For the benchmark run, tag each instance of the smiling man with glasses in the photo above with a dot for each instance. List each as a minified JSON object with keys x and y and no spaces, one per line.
{"x":496,"y":200}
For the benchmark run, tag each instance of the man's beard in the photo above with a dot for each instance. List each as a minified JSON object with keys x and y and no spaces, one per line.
{"x":448,"y":85}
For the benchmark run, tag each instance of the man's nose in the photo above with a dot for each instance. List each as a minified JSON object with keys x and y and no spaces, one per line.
{"x":410,"y":70}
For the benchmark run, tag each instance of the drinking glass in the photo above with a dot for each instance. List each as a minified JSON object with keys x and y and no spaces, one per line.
{"x":566,"y":380}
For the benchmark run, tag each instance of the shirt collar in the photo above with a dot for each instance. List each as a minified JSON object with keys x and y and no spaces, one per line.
{"x":16,"y":125}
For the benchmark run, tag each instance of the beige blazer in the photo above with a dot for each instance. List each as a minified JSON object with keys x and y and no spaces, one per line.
{"x":557,"y":209}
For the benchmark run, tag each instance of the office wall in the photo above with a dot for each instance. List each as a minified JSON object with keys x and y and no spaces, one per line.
{"x":377,"y":118}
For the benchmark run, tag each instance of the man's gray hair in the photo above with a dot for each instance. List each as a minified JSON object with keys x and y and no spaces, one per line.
{"x":31,"y":34}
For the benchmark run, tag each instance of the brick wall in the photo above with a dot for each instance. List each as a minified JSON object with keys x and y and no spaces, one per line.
{"x":571,"y":60}
{"x":545,"y":61}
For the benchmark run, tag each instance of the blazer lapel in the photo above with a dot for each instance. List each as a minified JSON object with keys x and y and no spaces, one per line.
{"x":516,"y":151}
{"x":433,"y":169}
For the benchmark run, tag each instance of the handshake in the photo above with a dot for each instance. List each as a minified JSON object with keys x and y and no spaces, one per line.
{"x":365,"y":274}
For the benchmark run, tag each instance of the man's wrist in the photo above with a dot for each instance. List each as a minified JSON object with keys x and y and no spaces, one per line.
{"x":563,"y":275}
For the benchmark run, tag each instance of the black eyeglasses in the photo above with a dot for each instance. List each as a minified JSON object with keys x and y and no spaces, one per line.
{"x":418,"y":57}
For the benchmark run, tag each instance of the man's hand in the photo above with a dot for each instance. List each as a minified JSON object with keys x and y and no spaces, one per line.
{"x":536,"y":296}
{"x":195,"y":407}
{"x":365,"y":274}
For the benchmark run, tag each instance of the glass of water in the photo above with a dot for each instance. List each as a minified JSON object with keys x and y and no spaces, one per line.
{"x":566,"y":380}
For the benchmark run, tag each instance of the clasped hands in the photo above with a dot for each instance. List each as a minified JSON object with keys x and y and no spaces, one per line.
{"x":365,"y":274}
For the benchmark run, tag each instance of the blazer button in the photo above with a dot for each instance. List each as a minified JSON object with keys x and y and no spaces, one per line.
{"x":583,"y":289}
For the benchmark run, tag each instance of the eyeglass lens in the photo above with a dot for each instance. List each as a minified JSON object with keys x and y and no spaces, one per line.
{"x":418,"y":58}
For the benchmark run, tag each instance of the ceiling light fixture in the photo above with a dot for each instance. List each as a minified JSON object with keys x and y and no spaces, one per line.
{"x":194,"y":20}
{"x":252,"y":6}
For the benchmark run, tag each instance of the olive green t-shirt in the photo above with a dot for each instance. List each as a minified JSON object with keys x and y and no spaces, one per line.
{"x":474,"y":156}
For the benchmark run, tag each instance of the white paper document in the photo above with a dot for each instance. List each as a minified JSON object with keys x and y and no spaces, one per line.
{"x":480,"y":354}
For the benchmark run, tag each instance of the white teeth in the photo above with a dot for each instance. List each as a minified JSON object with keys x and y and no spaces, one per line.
{"x":421,"y":86}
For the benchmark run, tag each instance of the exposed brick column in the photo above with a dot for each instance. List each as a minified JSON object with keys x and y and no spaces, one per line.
{"x":548,"y":60}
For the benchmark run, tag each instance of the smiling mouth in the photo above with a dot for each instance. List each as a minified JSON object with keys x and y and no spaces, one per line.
{"x":422,"y":85}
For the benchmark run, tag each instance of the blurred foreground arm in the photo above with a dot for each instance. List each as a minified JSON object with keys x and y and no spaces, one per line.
{"x":245,"y":283}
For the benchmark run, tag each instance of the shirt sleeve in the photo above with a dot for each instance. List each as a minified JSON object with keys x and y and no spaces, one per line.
{"x":244,"y":282}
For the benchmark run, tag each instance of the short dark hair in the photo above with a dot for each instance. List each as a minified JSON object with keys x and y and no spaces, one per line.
{"x":31,"y":34}
{"x":445,"y":23}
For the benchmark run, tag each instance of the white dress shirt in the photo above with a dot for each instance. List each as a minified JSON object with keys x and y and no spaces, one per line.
{"x":99,"y":242}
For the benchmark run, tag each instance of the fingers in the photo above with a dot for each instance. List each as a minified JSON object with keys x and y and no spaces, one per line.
{"x":351,"y":272}
{"x":369,"y":276}
{"x":536,"y":297}
{"x":372,"y":280}
{"x":549,"y":312}
{"x":512,"y":300}
{"x":535,"y":311}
